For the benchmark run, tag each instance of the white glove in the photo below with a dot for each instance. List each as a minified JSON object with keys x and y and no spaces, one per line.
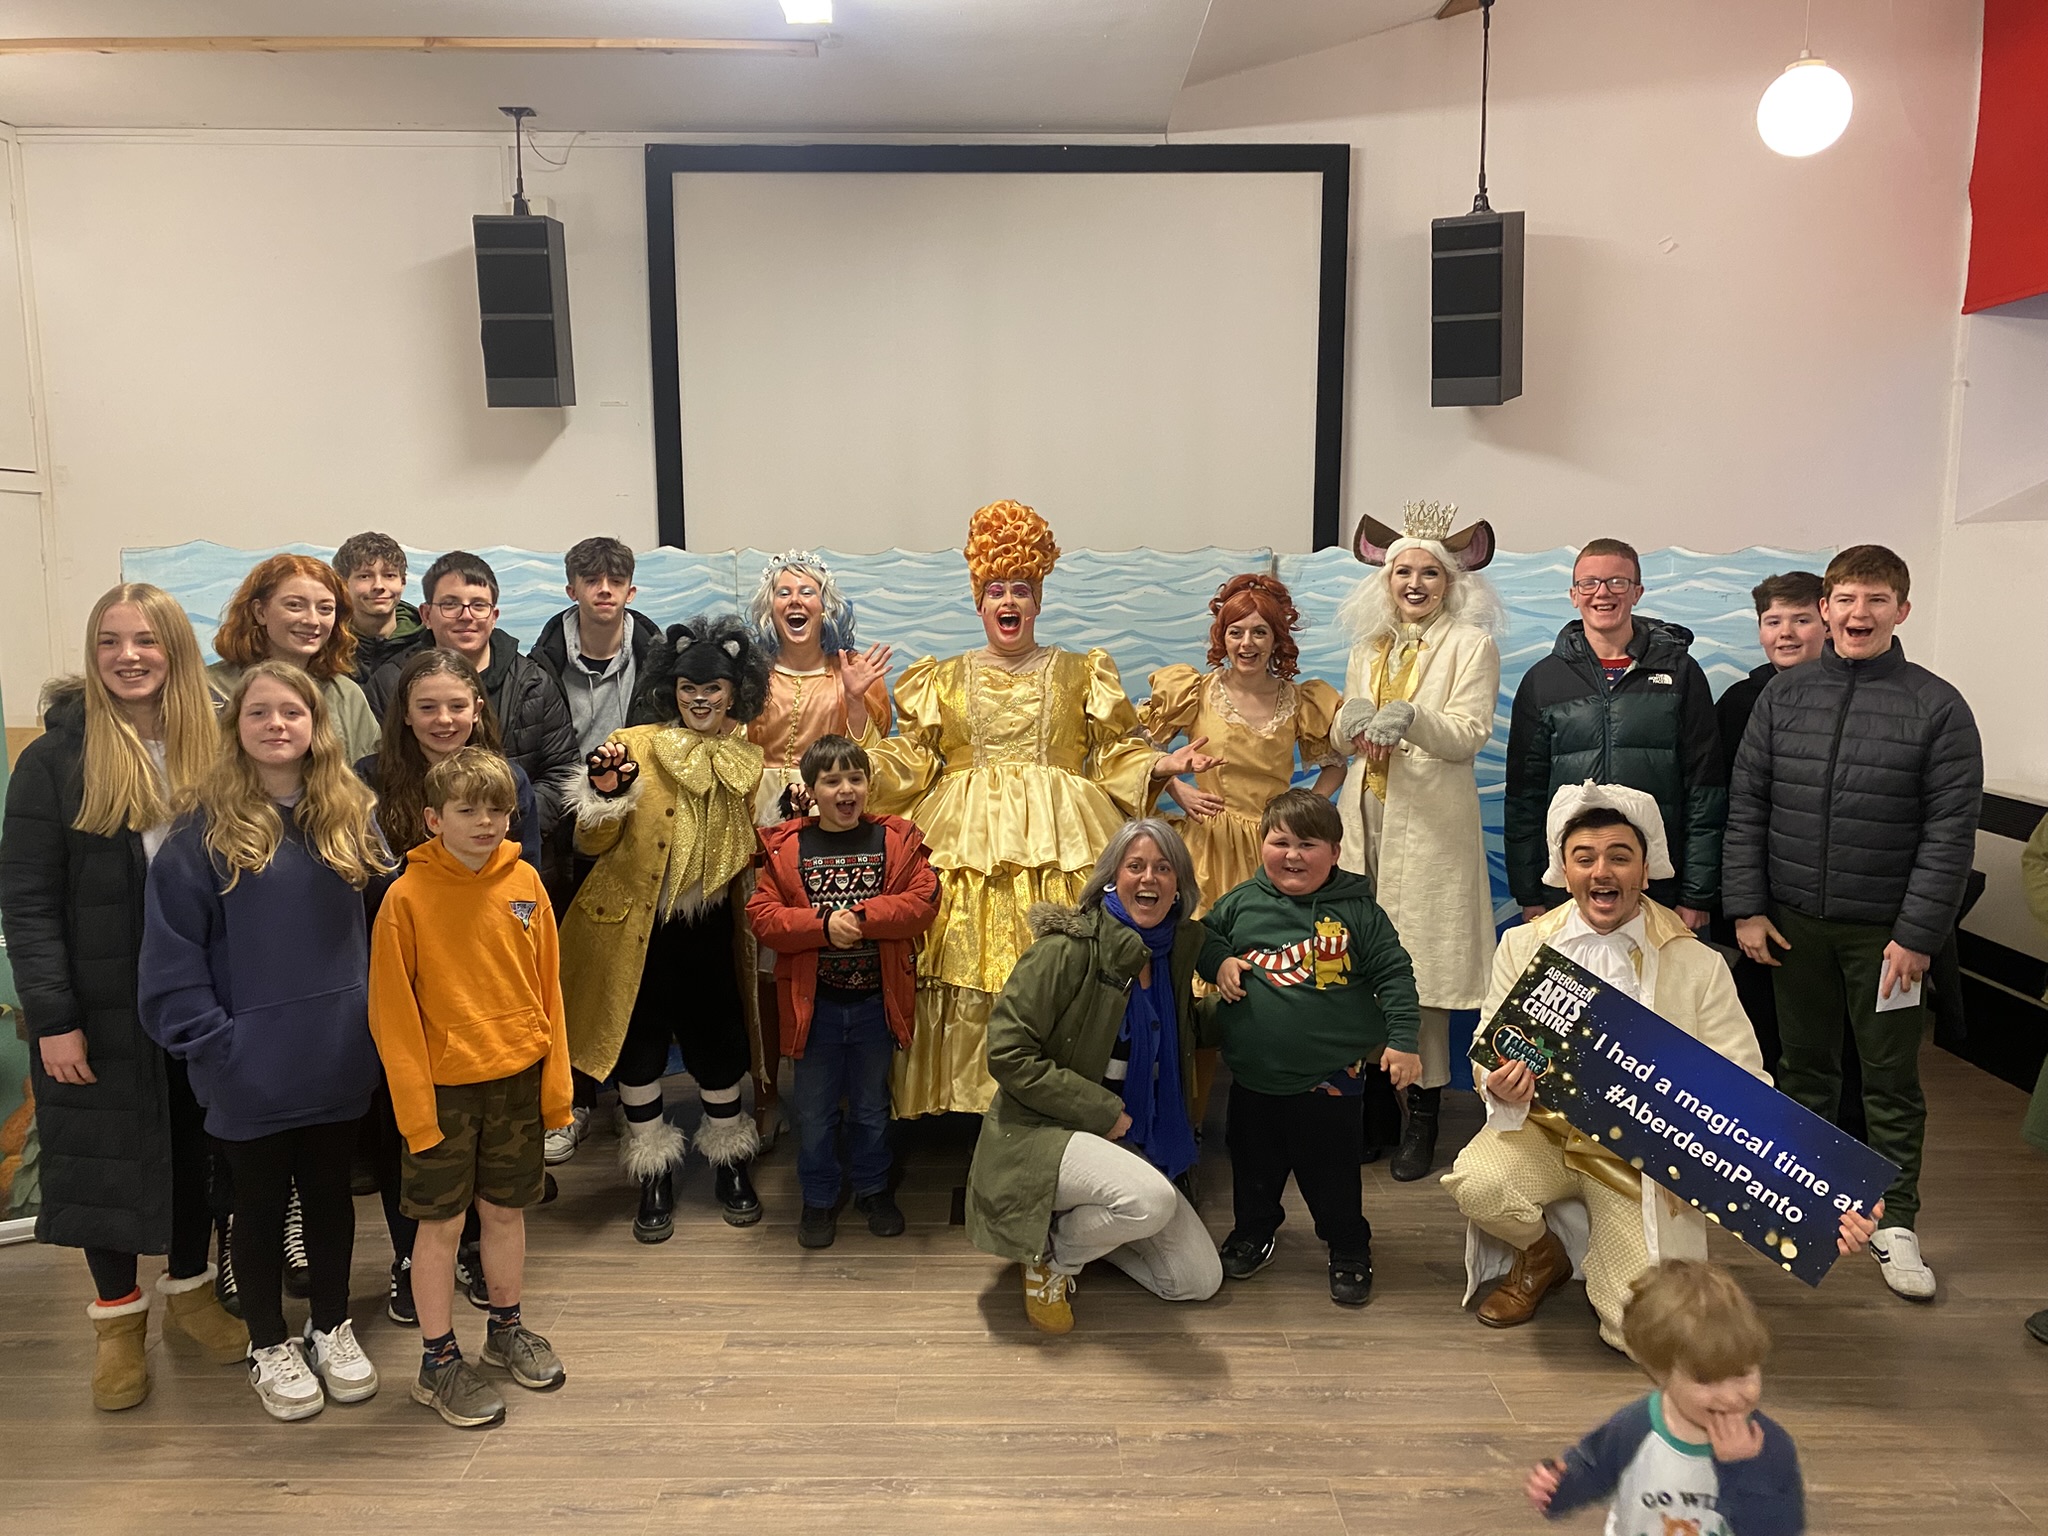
{"x":1391,"y":723}
{"x":1354,"y":717}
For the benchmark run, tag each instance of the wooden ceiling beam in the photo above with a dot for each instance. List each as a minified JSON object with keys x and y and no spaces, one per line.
{"x":789,"y":47}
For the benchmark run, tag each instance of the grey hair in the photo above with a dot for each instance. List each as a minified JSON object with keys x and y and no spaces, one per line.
{"x":1102,"y":879}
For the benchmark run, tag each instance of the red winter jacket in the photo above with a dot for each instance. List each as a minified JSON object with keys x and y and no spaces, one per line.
{"x":787,"y":923}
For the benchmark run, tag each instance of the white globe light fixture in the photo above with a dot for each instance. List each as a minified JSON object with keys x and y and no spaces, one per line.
{"x":1805,"y":109}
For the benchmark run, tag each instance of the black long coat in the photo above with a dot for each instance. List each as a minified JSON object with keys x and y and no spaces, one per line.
{"x":72,"y":906}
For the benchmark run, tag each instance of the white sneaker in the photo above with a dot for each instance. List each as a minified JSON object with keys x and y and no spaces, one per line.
{"x":558,"y":1146}
{"x":1897,"y":1251}
{"x":281,"y":1378}
{"x":338,"y":1360}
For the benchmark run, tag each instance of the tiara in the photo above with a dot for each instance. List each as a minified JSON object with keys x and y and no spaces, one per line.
{"x":1429,"y":519}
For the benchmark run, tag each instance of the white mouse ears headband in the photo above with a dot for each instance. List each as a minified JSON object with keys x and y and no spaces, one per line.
{"x":1639,"y":808}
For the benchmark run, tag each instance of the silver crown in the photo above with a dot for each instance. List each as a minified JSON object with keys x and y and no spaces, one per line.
{"x":1429,"y":519}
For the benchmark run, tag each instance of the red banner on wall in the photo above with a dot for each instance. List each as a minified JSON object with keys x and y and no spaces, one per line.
{"x":2009,"y":180}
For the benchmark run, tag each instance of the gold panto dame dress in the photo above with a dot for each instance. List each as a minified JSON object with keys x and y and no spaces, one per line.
{"x":1258,"y":763}
{"x":801,"y":707}
{"x":1018,"y":781}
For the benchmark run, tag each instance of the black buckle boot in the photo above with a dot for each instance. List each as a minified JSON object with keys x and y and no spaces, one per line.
{"x":656,"y":1222}
{"x":737,"y":1202}
{"x":1418,"y":1141}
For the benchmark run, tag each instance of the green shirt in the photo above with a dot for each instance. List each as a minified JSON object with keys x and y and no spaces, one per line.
{"x":1329,"y":983}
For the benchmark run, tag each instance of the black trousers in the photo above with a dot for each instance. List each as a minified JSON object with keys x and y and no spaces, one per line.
{"x":1315,"y":1137}
{"x":113,"y":1273}
{"x":316,"y":1158}
{"x":689,"y":995}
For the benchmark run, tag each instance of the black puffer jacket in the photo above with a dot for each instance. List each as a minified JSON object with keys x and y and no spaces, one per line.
{"x":1856,"y":796}
{"x":1653,"y":731}
{"x":72,"y":905}
{"x":533,"y":717}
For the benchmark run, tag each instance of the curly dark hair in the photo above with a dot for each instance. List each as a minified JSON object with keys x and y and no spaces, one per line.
{"x":1265,"y":597}
{"x":746,"y":666}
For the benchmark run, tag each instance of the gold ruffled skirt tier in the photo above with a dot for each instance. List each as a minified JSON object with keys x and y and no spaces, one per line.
{"x":976,"y":938}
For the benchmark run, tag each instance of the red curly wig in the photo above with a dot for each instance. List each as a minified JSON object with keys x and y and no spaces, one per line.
{"x":1265,"y":597}
{"x":240,"y":640}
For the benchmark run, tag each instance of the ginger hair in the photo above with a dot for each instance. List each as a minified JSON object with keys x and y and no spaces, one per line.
{"x":1007,"y":541}
{"x":1265,"y":597}
{"x":241,"y":640}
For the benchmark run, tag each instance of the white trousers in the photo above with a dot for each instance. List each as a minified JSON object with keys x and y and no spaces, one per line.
{"x":1112,"y":1204}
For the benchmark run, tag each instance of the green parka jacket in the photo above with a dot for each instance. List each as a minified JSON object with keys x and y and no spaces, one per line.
{"x":1050,"y":1035}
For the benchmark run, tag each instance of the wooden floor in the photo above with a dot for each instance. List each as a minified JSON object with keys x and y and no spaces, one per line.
{"x":728,"y":1381}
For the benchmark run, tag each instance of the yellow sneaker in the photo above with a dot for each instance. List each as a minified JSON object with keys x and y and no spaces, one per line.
{"x":1045,"y":1299}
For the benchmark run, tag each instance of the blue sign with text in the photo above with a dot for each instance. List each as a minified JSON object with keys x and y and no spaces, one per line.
{"x":1679,"y":1112}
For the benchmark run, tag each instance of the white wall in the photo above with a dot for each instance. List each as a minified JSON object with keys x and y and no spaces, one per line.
{"x":252,"y":337}
{"x":1723,"y":347}
{"x":261,"y":338}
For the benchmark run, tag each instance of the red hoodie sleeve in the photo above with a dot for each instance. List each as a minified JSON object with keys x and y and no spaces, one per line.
{"x":907,"y":909}
{"x":783,"y":919}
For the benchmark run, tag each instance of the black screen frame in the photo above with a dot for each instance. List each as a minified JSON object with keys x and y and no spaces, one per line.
{"x":1331,"y":161}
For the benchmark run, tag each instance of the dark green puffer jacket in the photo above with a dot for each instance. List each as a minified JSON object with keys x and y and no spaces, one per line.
{"x":1653,"y":731}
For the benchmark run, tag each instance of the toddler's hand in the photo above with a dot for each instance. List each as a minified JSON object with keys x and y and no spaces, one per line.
{"x":1404,"y":1067}
{"x":1230,"y":979}
{"x":1118,"y":1131}
{"x":1734,"y":1436}
{"x":843,"y":929}
{"x":1543,"y":1480}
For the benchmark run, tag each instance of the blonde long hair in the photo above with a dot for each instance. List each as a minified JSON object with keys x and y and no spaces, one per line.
{"x":336,"y":811}
{"x":123,"y":790}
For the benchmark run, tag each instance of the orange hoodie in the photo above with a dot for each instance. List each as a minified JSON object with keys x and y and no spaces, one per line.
{"x":465,"y":984}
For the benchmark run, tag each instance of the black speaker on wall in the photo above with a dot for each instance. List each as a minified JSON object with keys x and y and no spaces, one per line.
{"x":1475,"y":309}
{"x":522,"y":286}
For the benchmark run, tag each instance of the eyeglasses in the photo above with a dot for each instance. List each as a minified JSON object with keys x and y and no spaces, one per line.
{"x":455,"y":607}
{"x":1587,"y":585}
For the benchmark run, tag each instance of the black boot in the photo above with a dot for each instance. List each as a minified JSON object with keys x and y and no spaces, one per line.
{"x":1418,"y":1142}
{"x":737,"y":1202}
{"x":656,"y":1221}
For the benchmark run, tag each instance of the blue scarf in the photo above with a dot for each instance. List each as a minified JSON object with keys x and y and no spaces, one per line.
{"x":1153,"y":1095}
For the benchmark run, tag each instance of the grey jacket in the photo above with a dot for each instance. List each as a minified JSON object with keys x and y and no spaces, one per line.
{"x":1855,"y":798}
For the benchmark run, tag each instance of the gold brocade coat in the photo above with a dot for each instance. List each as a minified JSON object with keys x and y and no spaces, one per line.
{"x":683,"y":832}
{"x":1257,"y":764}
{"x":1018,"y":781}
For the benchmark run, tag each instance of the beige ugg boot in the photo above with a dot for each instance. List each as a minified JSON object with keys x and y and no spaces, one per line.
{"x":120,"y":1368}
{"x":192,"y":1308}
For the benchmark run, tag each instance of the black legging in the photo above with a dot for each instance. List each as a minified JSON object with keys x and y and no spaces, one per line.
{"x":113,"y":1272}
{"x":688,"y":994}
{"x":317,"y":1158}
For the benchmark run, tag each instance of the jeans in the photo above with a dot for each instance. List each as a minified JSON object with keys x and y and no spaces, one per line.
{"x":1111,"y":1204}
{"x":846,"y":1055}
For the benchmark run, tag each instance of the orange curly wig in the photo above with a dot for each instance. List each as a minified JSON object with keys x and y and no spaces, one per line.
{"x":1265,"y":597}
{"x":240,"y":640}
{"x":1007,"y":541}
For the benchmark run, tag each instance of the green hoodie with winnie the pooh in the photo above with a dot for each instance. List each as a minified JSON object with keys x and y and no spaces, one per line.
{"x":1328,"y":985}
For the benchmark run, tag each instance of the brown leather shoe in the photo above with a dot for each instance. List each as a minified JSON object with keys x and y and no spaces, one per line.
{"x":1539,"y":1270}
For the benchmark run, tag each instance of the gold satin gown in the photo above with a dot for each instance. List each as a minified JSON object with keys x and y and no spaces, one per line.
{"x":1018,"y":781}
{"x":1257,"y":763}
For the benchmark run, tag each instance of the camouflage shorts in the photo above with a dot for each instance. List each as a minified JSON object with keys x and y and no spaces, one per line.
{"x":490,"y":1149}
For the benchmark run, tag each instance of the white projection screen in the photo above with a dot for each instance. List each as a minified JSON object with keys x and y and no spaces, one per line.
{"x":863,"y":357}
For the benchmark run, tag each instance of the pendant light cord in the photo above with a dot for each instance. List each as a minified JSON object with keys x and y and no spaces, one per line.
{"x":1479,"y":202}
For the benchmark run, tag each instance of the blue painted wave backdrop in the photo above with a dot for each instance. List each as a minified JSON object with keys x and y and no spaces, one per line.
{"x":1147,"y":608}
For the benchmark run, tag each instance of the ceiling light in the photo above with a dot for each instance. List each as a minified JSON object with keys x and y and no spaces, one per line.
{"x":1805,"y":109}
{"x":807,"y":13}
